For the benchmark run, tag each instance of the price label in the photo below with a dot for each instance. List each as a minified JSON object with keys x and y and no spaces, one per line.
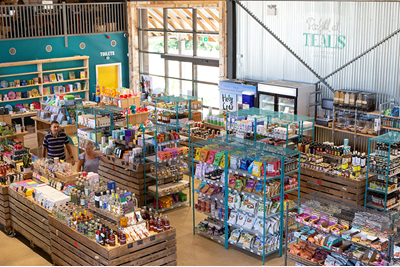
{"x":152,"y":238}
{"x":319,"y":182}
{"x":140,"y":242}
{"x":76,"y":244}
{"x":113,"y":167}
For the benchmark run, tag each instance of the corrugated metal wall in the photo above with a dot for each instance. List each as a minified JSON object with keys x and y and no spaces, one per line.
{"x":360,"y":26}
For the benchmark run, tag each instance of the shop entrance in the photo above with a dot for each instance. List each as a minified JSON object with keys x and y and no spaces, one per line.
{"x":109,"y":75}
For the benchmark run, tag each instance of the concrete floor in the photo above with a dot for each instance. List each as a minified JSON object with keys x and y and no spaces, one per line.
{"x":193,"y":250}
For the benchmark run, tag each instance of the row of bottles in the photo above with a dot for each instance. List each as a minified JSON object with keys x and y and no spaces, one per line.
{"x":156,"y":223}
{"x":382,"y":149}
{"x":87,"y":194}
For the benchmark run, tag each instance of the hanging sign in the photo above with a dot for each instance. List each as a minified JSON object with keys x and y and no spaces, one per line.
{"x":228,"y":101}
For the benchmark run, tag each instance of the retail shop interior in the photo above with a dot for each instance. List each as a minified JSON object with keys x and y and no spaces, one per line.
{"x":155,"y":133}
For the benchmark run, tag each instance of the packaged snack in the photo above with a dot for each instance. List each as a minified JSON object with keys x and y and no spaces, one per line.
{"x":218,"y":158}
{"x":256,"y":171}
{"x":234,"y":162}
{"x":231,"y":181}
{"x":234,"y":236}
{"x":249,"y":185}
{"x":205,"y":188}
{"x":260,"y":209}
{"x":199,"y":169}
{"x":200,"y":187}
{"x":249,"y":223}
{"x":138,"y":216}
{"x":237,"y":201}
{"x":275,"y":207}
{"x":233,"y":217}
{"x":204,"y":155}
{"x":222,"y":165}
{"x":249,"y":205}
{"x":243,"y":164}
{"x":211,"y":157}
{"x":250,"y":168}
{"x":231,"y":200}
{"x":248,"y":240}
{"x":241,"y":219}
{"x":259,"y":188}
{"x":239,"y":184}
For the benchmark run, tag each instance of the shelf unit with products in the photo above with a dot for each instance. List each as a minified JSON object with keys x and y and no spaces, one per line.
{"x":330,"y":232}
{"x":270,"y":126}
{"x":96,"y":124}
{"x":24,"y":80}
{"x":382,"y":190}
{"x":389,"y":113}
{"x":168,"y":164}
{"x":238,"y":202}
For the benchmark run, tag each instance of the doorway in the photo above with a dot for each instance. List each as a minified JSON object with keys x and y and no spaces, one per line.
{"x":109,"y":75}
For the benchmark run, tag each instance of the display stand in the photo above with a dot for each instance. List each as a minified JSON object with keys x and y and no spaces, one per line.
{"x":71,"y":248}
{"x":16,"y":135}
{"x":5,"y":208}
{"x":124,"y":176}
{"x":382,"y":170}
{"x":156,"y":179}
{"x":263,"y":153}
{"x":30,"y":220}
{"x":299,"y":125}
{"x":342,"y":241}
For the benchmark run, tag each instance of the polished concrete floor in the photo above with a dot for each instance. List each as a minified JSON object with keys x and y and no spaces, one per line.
{"x":192,"y":249}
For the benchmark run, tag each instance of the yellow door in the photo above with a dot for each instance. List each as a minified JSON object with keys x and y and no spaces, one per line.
{"x":108,"y":76}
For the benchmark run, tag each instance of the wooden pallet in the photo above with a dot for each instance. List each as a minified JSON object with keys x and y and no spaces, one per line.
{"x":4,"y":207}
{"x":30,"y":220}
{"x":344,"y":189}
{"x":70,"y":247}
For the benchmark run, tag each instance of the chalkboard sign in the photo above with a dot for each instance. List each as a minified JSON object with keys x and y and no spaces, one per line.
{"x":228,"y":101}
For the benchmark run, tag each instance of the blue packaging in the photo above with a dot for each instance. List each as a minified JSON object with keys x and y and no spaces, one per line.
{"x":111,"y":185}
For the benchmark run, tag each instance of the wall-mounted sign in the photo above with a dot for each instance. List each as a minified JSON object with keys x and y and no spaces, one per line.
{"x":107,"y":54}
{"x":228,"y":102}
{"x":324,"y":34}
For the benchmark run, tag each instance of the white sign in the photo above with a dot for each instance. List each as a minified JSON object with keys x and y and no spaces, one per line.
{"x":108,"y":53}
{"x":228,"y":101}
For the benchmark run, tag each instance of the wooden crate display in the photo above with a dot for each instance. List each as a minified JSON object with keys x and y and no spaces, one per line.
{"x":138,"y":118}
{"x":344,"y":189}
{"x":4,"y":207}
{"x":30,"y":220}
{"x":125,"y":178}
{"x":70,"y":247}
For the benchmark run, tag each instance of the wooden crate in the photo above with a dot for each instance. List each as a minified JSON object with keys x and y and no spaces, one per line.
{"x":4,"y":207}
{"x":70,"y":247}
{"x":138,"y":117}
{"x":344,"y":189}
{"x":125,"y":178}
{"x":30,"y":220}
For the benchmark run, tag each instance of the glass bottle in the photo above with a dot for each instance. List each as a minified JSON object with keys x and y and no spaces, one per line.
{"x":86,"y":229}
{"x":54,"y":211}
{"x":135,"y":201}
{"x":90,"y":231}
{"x":106,"y":200}
{"x":167,"y":224}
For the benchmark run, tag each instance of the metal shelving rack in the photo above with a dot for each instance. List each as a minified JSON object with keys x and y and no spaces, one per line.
{"x":347,"y":214}
{"x":103,"y":111}
{"x":162,"y":127}
{"x":388,"y":139}
{"x":266,"y":118}
{"x":253,"y":150}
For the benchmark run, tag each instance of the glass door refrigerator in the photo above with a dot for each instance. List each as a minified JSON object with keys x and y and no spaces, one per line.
{"x":287,"y":97}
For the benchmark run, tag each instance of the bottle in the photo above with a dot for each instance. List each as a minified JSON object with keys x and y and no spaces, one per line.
{"x":97,"y":199}
{"x":353,"y":159}
{"x":363,"y":160}
{"x":117,"y":205}
{"x":160,"y":227}
{"x":111,"y":240}
{"x":98,"y":234}
{"x":101,"y":199}
{"x":135,"y":202}
{"x":86,"y":229}
{"x":151,"y":222}
{"x":124,"y":221}
{"x":144,"y":213}
{"x":167,"y":224}
{"x":90,"y":231}
{"x":82,"y":203}
{"x":54,"y":211}
{"x":107,"y":235}
{"x":106,"y":199}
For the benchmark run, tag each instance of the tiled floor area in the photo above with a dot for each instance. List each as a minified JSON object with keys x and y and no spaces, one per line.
{"x":192,"y":249}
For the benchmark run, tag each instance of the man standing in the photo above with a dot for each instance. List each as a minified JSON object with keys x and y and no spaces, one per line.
{"x":54,"y":142}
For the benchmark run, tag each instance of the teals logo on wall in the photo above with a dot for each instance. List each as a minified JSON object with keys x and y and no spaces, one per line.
{"x":324,"y":33}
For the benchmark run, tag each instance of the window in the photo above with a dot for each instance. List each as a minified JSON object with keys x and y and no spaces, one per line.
{"x":179,"y":58}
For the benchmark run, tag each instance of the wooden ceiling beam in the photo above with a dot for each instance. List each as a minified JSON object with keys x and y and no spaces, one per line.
{"x":150,"y":11}
{"x":184,"y":18}
{"x":204,"y":17}
{"x":212,"y":15}
{"x":177,"y":20}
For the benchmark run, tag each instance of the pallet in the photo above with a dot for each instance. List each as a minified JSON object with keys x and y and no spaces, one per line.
{"x":30,"y":220}
{"x":70,"y":247}
{"x":344,"y":189}
{"x":4,"y":207}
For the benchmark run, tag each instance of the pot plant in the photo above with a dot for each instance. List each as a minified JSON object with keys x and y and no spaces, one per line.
{"x":26,"y":164}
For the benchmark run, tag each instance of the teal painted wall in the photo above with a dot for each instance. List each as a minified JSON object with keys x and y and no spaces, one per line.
{"x":31,"y":49}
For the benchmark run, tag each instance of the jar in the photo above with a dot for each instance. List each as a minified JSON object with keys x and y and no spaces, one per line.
{"x":341,"y":98}
{"x":346,"y":99}
{"x":336,"y":98}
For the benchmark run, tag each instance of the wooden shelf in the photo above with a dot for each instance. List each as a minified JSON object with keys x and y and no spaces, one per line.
{"x":22,"y":115}
{"x":48,"y":122}
{"x":65,"y":81}
{"x":67,"y":69}
{"x":345,"y":131}
{"x":68,"y":93}
{"x":20,"y":99}
{"x":19,"y":74}
{"x":19,"y":87}
{"x":390,"y":128}
{"x":34,"y":62}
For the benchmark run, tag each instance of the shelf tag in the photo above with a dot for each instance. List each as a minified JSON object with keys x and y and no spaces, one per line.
{"x":130,"y":245}
{"x":123,"y":163}
{"x":76,"y":244}
{"x":152,"y":238}
{"x":140,"y":242}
